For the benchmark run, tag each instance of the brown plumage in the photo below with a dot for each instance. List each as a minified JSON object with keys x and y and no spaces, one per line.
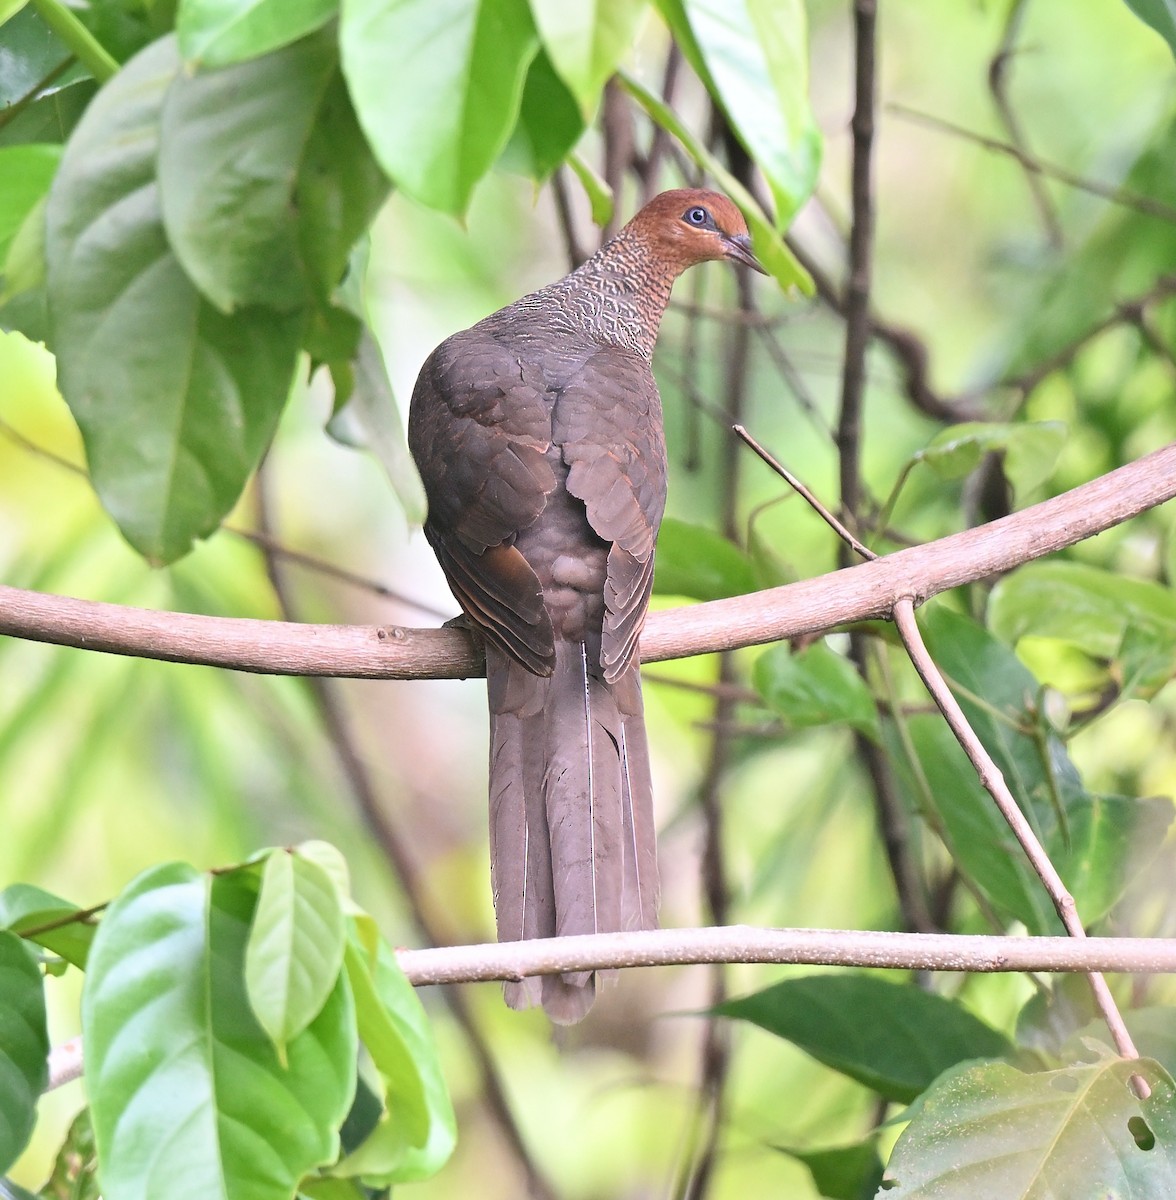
{"x":538,"y":435}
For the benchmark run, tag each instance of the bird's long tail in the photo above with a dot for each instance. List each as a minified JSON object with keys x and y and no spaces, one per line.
{"x":572,"y":839}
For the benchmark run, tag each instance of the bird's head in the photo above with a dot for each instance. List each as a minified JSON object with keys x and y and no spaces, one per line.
{"x":692,"y":225}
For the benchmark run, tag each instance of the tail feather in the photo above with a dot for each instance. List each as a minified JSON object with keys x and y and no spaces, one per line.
{"x":573,"y":845}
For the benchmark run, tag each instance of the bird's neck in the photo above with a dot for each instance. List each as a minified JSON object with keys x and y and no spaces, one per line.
{"x":620,"y":293}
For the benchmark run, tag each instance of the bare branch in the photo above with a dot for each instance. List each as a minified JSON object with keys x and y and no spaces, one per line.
{"x":864,"y":592}
{"x":804,"y":947}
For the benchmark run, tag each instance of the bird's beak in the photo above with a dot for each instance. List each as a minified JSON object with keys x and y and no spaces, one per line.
{"x":738,"y":249}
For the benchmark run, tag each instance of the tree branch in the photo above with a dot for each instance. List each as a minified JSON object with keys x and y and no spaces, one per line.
{"x":863,"y":592}
{"x":797,"y":947}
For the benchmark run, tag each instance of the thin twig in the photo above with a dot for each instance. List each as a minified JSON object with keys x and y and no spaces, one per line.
{"x":1123,"y":197}
{"x":998,"y":82}
{"x":800,"y":488}
{"x":993,"y":782}
{"x":861,"y":261}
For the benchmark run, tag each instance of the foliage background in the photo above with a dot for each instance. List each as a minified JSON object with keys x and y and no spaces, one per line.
{"x":109,"y":765}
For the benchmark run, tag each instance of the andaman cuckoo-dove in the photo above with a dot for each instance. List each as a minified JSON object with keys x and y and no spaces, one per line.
{"x":538,"y":436}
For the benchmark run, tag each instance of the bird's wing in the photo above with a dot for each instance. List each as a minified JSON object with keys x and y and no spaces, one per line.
{"x":479,"y":426}
{"x":608,"y":423}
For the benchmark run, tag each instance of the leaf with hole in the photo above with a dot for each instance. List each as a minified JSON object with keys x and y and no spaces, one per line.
{"x":911,"y":1035}
{"x":174,"y":429}
{"x":987,"y":1129}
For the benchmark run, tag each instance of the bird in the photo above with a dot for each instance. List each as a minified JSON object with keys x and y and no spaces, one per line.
{"x":538,"y":436}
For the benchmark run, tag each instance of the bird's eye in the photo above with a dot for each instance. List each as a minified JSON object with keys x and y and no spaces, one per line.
{"x":698,"y":217}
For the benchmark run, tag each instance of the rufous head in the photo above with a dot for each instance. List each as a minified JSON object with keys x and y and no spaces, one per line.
{"x":693,"y":225}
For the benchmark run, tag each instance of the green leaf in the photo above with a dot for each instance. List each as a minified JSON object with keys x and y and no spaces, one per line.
{"x":29,"y":51}
{"x":549,"y":125}
{"x":75,"y":1170}
{"x":1030,"y":450}
{"x":1096,"y":842}
{"x":773,"y":254}
{"x":842,"y":1172}
{"x":24,"y":907}
{"x":596,"y":188}
{"x":24,"y":1045}
{"x":24,"y":266}
{"x":231,"y":143}
{"x":175,"y":401}
{"x":339,"y":190}
{"x":815,"y":687}
{"x":187,"y":1093}
{"x":911,"y":1035}
{"x":586,"y":40}
{"x":214,"y":33}
{"x":9,"y":9}
{"x":25,"y":175}
{"x":371,"y":420}
{"x":437,"y":85}
{"x":697,"y":562}
{"x":1160,"y":15}
{"x":1086,"y":606}
{"x":1153,"y":1030}
{"x":295,"y":949}
{"x":753,"y":58}
{"x":989,"y":1130}
{"x":417,"y":1133}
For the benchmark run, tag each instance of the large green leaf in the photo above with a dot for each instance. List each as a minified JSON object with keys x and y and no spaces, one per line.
{"x":698,"y":562}
{"x":25,"y":175}
{"x":550,"y":123}
{"x":175,"y":401}
{"x":24,"y":1045}
{"x":586,"y":40}
{"x":1096,"y":842}
{"x":1030,"y":450}
{"x":437,"y":85}
{"x":1084,"y":605}
{"x":295,"y":949}
{"x":231,"y":142}
{"x":189,"y":1098}
{"x":1160,"y":15}
{"x":909,"y":1038}
{"x":986,"y":1129}
{"x":415,"y":1136}
{"x":815,"y":687}
{"x":753,"y":57}
{"x":214,"y":33}
{"x":775,"y":256}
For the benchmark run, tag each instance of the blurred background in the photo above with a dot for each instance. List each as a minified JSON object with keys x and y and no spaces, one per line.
{"x":986,"y":273}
